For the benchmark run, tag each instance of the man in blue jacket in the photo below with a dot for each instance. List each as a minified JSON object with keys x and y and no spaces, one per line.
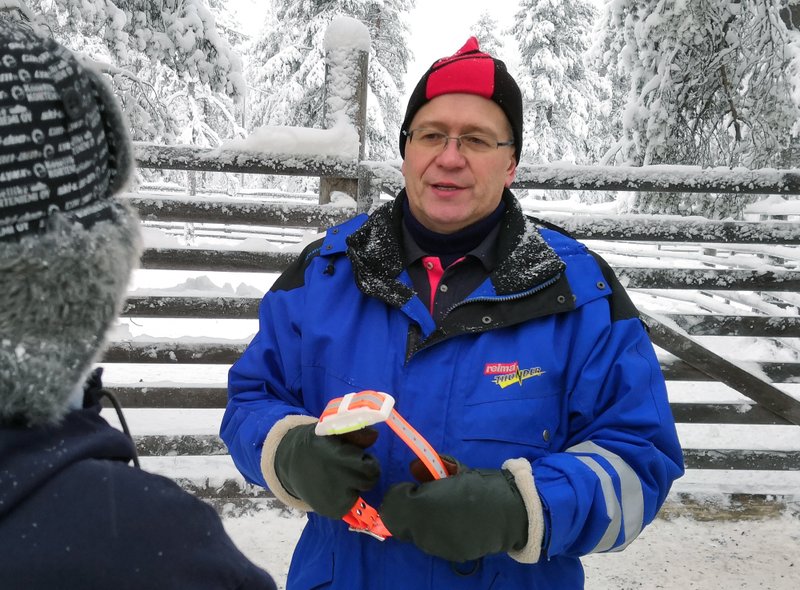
{"x":73,"y":513}
{"x":508,"y":345}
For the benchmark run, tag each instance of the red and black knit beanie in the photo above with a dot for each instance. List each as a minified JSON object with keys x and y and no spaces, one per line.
{"x":469,"y":71}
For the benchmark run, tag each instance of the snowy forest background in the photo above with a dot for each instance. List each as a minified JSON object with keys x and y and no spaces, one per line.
{"x":614,"y":82}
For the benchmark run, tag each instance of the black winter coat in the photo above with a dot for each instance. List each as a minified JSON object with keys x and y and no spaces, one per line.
{"x":74,"y":514}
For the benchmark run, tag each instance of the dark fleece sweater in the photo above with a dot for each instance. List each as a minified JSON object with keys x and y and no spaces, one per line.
{"x":74,"y":514}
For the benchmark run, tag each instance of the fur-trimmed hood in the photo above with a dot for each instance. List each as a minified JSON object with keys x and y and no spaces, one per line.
{"x":62,"y":290}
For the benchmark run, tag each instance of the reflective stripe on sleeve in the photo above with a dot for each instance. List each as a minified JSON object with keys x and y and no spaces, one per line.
{"x":613,"y":509}
{"x":631,"y":499}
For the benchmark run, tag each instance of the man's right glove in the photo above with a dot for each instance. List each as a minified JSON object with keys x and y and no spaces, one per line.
{"x":473,"y":513}
{"x":326,"y":472}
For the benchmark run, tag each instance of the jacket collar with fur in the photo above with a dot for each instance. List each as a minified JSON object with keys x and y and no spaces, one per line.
{"x":525,"y":260}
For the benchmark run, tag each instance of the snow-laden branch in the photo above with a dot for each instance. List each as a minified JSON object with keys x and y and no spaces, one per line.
{"x":9,"y":5}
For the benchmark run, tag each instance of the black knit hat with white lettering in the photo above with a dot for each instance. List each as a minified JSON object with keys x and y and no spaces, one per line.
{"x":64,"y":145}
{"x":469,"y":71}
{"x":67,"y":247}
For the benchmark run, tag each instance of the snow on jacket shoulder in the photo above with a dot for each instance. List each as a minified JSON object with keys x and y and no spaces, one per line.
{"x":547,"y":361}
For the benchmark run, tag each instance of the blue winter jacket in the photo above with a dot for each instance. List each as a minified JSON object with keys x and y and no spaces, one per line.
{"x":546,"y":361}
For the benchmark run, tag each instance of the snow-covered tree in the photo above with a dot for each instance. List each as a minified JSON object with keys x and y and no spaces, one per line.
{"x":486,"y":31}
{"x":389,"y":60}
{"x":171,"y":68}
{"x":228,"y":20}
{"x":707,"y":82}
{"x":286,"y":66}
{"x":565,"y":102}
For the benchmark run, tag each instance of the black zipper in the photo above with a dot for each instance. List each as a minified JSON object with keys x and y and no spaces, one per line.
{"x":506,"y":298}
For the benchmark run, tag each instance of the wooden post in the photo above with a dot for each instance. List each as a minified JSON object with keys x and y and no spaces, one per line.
{"x":346,"y":67}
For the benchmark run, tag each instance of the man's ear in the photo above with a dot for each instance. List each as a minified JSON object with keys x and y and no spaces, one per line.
{"x":511,"y":172}
{"x":403,"y":167}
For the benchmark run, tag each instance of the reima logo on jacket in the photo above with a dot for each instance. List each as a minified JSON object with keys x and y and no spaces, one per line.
{"x":505,"y":374}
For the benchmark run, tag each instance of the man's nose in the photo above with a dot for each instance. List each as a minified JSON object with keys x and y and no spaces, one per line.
{"x":451,"y":154}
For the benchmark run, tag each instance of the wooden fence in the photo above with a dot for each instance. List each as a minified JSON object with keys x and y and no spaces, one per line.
{"x":367,"y":181}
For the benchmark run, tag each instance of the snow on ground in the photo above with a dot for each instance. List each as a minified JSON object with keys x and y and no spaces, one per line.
{"x":687,"y":553}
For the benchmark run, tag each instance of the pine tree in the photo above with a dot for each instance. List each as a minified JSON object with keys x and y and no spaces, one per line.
{"x":485,"y":30}
{"x":286,"y":66}
{"x":389,"y":60}
{"x":564,"y":100}
{"x":709,"y":83}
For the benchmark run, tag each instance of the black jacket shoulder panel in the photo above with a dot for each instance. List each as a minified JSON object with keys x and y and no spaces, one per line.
{"x":294,"y":275}
{"x":331,"y":245}
{"x":549,"y":225}
{"x":622,"y":308}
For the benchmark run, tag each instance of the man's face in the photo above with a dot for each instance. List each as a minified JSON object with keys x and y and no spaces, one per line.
{"x":450,"y":189}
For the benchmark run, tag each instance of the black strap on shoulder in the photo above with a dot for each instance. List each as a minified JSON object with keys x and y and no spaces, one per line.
{"x":94,"y":392}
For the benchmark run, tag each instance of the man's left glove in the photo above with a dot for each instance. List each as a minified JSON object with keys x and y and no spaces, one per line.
{"x":473,"y":513}
{"x":327,"y":472}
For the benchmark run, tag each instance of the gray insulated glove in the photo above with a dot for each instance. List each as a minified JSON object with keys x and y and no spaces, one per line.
{"x":327,"y":472}
{"x":473,"y":513}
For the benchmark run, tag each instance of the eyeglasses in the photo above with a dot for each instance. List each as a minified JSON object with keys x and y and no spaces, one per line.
{"x":431,"y":139}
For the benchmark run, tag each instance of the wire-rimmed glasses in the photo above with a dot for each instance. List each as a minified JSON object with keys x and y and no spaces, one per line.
{"x":434,"y":140}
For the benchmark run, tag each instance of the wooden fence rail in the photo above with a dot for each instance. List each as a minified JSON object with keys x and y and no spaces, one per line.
{"x":148,"y":306}
{"x":193,"y":353}
{"x":632,"y":227}
{"x":634,"y":278}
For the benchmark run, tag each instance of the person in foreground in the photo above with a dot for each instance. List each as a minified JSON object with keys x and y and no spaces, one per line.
{"x":507,"y":344}
{"x":73,"y":512}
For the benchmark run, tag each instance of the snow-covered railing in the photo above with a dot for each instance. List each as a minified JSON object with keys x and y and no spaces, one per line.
{"x":373,"y":178}
{"x":243,"y":211}
{"x":187,"y":353}
{"x":635,"y":278}
{"x":662,"y":178}
{"x":239,"y":161}
{"x":150,"y":306}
